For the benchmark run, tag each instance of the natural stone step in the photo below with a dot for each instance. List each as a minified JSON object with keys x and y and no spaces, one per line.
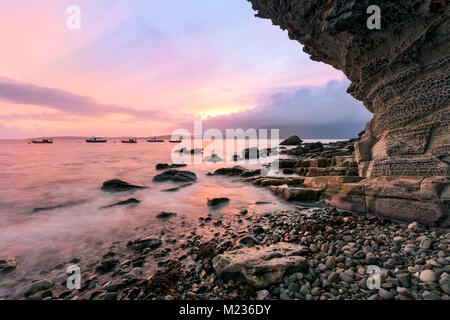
{"x":297,"y":194}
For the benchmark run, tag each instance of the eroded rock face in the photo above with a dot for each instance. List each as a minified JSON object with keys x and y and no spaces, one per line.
{"x":400,"y":72}
{"x":261,"y":266}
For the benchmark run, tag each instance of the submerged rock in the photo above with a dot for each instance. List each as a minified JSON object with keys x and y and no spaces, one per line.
{"x":116,"y":185}
{"x":165,"y":166}
{"x":176,"y":176}
{"x":291,"y":141}
{"x":165,"y":215}
{"x":122,"y":203}
{"x":261,"y":266}
{"x":8,"y":264}
{"x":58,"y":206}
{"x":177,"y":188}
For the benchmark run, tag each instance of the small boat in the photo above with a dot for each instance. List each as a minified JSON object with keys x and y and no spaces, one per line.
{"x":96,"y":140}
{"x":154,"y":140}
{"x":175,"y":141}
{"x":49,"y":140}
{"x":130,"y":141}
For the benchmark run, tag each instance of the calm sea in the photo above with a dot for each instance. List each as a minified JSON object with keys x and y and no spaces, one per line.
{"x":67,"y":176}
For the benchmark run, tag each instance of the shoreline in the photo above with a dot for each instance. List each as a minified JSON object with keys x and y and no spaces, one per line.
{"x":310,"y":252}
{"x":336,"y":247}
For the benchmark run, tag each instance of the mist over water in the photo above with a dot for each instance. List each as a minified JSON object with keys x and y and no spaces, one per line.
{"x":67,"y":176}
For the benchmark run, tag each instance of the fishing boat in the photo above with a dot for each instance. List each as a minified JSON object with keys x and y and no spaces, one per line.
{"x":130,"y":141}
{"x":154,"y":140}
{"x":49,"y":140}
{"x":96,"y":140}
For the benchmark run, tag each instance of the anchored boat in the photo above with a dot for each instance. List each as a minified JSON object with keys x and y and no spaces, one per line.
{"x":154,"y":140}
{"x":49,"y":140}
{"x":130,"y":141}
{"x":96,"y":140}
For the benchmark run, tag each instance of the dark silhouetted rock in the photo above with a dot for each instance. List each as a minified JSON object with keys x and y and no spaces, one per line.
{"x":117,"y":185}
{"x":291,"y":141}
{"x":122,"y":203}
{"x":176,"y":176}
{"x":165,"y":215}
{"x":217,"y":201}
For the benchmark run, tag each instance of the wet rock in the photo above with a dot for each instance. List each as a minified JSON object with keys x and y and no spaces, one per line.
{"x":117,"y":185}
{"x":425,"y":244}
{"x":165,"y":166}
{"x":176,"y":176}
{"x":106,"y":266}
{"x":427,"y":295}
{"x":291,"y":141}
{"x":177,"y":188}
{"x":38,"y":286}
{"x":122,"y":203}
{"x":8,"y":264}
{"x":261,"y":266}
{"x":385,"y":295}
{"x":236,"y":170}
{"x":246,"y":242}
{"x":141,"y":244}
{"x":243,"y":212}
{"x":114,"y":286}
{"x":217,"y":201}
{"x":165,"y":215}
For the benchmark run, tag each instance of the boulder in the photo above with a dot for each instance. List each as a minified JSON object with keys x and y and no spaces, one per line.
{"x":236,"y":170}
{"x":408,"y":135}
{"x":291,"y":141}
{"x":117,"y":185}
{"x":261,"y":266}
{"x":8,"y":264}
{"x":176,"y":176}
{"x":217,"y":201}
{"x":38,"y":286}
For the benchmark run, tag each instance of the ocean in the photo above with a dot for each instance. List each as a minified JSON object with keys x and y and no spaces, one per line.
{"x":64,"y":180}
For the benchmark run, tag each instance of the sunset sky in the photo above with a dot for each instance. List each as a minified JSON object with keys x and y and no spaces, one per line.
{"x":143,"y":68}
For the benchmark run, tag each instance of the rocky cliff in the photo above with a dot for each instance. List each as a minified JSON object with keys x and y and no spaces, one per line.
{"x":401,"y":73}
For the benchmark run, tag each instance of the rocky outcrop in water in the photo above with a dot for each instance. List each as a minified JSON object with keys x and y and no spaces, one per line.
{"x":116,"y":185}
{"x":401,"y":73}
{"x":175,"y":176}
